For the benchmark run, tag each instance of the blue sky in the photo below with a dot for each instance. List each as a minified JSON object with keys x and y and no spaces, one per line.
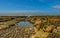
{"x":30,"y":7}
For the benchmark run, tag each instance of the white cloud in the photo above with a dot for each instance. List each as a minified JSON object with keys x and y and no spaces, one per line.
{"x":36,"y":11}
{"x":29,"y":12}
{"x":57,"y":6}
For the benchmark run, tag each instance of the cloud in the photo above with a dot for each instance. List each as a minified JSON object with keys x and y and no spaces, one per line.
{"x":57,"y":6}
{"x":36,"y":11}
{"x":29,"y":12}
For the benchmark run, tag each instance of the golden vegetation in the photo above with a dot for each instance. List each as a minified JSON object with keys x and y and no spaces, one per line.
{"x":44,"y":26}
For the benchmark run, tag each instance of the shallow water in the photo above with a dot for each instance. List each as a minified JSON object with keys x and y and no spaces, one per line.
{"x":25,"y":23}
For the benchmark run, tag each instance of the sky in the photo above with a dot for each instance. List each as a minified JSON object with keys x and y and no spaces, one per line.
{"x":30,"y":7}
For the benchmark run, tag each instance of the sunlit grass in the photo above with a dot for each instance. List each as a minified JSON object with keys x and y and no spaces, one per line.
{"x":58,"y":33}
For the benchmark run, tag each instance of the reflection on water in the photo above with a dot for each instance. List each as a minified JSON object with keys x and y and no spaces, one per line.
{"x":25,"y":23}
